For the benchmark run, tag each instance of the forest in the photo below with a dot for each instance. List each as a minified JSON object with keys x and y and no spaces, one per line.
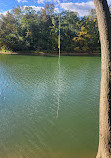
{"x":24,"y":29}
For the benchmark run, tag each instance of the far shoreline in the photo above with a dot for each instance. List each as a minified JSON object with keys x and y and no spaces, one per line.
{"x":53,"y":54}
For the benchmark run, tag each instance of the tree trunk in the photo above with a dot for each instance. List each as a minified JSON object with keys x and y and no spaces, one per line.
{"x":104,"y":24}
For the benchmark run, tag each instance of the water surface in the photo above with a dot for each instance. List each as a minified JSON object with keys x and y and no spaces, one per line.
{"x":29,"y":89}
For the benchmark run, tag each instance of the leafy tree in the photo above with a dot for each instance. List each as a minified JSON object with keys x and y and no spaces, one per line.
{"x":25,"y":29}
{"x":9,"y":32}
{"x":82,"y":38}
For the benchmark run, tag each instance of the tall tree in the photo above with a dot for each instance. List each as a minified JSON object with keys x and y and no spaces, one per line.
{"x":104,"y":24}
{"x":25,"y":29}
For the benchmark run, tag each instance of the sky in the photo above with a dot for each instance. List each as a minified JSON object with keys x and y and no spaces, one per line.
{"x":80,"y":6}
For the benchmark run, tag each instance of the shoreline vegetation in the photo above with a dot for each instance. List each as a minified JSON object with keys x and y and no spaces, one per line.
{"x":23,"y":30}
{"x":35,"y":53}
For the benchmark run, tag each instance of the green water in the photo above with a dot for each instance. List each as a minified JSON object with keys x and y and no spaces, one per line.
{"x":29,"y":89}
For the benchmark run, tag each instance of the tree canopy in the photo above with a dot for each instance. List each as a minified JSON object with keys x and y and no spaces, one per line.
{"x":25,"y":29}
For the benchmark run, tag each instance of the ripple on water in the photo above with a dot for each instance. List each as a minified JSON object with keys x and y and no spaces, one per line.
{"x":29,"y":89}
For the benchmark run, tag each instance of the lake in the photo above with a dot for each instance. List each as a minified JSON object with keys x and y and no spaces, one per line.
{"x":33,"y":91}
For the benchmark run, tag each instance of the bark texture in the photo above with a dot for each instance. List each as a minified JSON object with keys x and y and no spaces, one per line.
{"x":104,"y":24}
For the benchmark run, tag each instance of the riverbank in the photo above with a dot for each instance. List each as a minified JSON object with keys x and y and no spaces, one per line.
{"x":32,"y":53}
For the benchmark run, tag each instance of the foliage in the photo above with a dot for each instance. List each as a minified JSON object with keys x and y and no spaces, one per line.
{"x":25,"y":29}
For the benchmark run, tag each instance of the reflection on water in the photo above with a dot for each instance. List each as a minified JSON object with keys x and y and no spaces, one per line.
{"x":29,"y":101}
{"x":58,"y":104}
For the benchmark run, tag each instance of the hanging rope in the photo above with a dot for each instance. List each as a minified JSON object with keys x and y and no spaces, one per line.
{"x":59,"y":66}
{"x":59,"y":33}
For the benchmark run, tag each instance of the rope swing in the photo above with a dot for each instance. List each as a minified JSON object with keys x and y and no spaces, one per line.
{"x":58,"y":104}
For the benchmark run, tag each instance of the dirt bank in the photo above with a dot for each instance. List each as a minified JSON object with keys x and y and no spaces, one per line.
{"x":50,"y":54}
